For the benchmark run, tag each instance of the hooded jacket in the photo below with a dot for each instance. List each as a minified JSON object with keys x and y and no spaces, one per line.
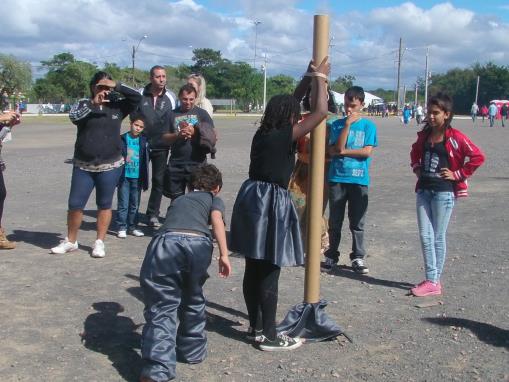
{"x":458,"y":147}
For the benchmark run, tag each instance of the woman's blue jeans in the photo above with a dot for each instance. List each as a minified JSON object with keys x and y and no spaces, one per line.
{"x":434,"y":210}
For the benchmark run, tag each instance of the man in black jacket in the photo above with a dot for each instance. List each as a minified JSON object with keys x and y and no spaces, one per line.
{"x":156,"y":105}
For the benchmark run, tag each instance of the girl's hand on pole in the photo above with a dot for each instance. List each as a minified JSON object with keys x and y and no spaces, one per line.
{"x":323,"y":68}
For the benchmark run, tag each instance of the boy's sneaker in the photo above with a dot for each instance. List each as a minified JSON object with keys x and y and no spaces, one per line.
{"x":64,"y":247}
{"x":254,"y":335}
{"x":427,"y":288}
{"x":137,"y":233}
{"x":122,"y":234}
{"x":98,"y":250}
{"x":153,"y":221}
{"x":281,"y":343}
{"x":328,"y":264}
{"x":359,"y":266}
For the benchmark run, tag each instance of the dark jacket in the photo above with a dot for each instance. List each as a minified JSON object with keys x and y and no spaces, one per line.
{"x":98,"y":137}
{"x":144,"y":159}
{"x":157,"y":117}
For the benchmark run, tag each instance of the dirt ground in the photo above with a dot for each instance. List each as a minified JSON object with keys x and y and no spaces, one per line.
{"x":50,"y":304}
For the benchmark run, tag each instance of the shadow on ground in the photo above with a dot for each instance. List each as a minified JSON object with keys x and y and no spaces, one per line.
{"x":487,"y":333}
{"x":44,"y":240}
{"x":347,"y":272}
{"x":115,"y":336}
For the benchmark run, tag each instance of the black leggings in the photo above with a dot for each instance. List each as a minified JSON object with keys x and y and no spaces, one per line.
{"x":3,"y":195}
{"x":260,"y":288}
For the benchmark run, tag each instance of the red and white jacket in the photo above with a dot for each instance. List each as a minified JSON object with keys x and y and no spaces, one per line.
{"x":458,"y":147}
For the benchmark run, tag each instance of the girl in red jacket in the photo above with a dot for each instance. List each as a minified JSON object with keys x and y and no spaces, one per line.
{"x":438,"y":160}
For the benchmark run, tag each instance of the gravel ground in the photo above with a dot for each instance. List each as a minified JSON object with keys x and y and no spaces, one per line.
{"x":49,"y":301}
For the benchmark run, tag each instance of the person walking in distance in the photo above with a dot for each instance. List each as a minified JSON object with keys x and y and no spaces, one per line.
{"x":156,"y":105}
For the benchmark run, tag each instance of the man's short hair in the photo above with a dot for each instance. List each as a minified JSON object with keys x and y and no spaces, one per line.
{"x":355,"y":92}
{"x":154,"y":68}
{"x":188,"y":88}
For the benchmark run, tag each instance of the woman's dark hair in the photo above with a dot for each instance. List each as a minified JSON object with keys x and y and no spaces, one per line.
{"x":188,"y":88}
{"x":206,"y":177}
{"x":444,"y":103}
{"x":96,"y":78}
{"x":281,"y":111}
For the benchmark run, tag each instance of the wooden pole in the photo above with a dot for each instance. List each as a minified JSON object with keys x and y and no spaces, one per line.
{"x":316,"y":178}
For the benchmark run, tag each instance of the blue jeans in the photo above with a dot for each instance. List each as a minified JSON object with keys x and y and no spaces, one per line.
{"x":128,"y":195}
{"x":492,"y":120}
{"x":433,"y":213}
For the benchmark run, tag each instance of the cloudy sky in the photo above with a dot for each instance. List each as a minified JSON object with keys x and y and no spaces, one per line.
{"x":364,"y":34}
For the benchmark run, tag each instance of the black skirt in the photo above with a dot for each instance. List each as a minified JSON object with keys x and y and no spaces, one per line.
{"x":265,"y":225}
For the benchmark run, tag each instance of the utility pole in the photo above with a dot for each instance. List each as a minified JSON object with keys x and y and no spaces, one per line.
{"x":400,"y":54}
{"x":331,"y":45}
{"x":135,"y":49}
{"x":256,"y":23}
{"x":264,"y":68}
{"x":477,"y":90}
{"x":404,"y":96}
{"x":426,"y":81}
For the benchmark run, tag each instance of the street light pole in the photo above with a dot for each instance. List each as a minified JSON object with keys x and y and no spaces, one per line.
{"x":256,"y":23}
{"x":264,"y":68}
{"x":426,"y":81}
{"x":135,"y":49}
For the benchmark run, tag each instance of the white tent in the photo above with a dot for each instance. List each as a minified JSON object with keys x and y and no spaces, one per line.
{"x":369,"y":98}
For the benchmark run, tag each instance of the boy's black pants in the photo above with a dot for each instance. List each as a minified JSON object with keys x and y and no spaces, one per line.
{"x":172,"y":278}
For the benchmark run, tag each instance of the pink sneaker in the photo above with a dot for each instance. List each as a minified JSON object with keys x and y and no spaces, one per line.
{"x":427,"y":288}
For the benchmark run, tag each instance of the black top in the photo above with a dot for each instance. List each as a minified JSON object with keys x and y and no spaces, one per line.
{"x":188,"y":150}
{"x":98,"y":137}
{"x":434,"y":159}
{"x":192,"y":212}
{"x":157,"y":115}
{"x":273,"y":156}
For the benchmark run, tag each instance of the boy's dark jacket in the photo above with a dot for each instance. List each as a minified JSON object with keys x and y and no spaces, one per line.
{"x":144,"y":159}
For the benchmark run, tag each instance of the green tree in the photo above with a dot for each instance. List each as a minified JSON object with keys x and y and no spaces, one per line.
{"x":342,"y":83}
{"x":15,"y":75}
{"x":280,"y":84}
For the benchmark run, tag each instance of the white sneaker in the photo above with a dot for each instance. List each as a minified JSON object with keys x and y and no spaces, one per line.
{"x":64,"y":247}
{"x":137,"y":233}
{"x":122,"y":234}
{"x":98,"y":250}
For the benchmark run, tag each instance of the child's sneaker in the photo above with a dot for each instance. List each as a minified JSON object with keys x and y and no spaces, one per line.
{"x":64,"y":247}
{"x":254,"y":335}
{"x":359,"y":266}
{"x":137,"y":233}
{"x":98,"y":250}
{"x":328,"y":264}
{"x":122,"y":234}
{"x":427,"y":288}
{"x":281,"y":343}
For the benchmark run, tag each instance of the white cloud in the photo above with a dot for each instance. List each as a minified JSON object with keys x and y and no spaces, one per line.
{"x":364,"y":44}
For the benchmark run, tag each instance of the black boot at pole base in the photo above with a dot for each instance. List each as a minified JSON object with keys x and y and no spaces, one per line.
{"x":308,"y":320}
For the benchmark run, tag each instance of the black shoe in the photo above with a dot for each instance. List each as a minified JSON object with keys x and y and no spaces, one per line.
{"x":153,"y":221}
{"x":254,"y":335}
{"x":328,"y":264}
{"x":281,"y":343}
{"x":359,"y":266}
